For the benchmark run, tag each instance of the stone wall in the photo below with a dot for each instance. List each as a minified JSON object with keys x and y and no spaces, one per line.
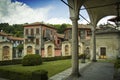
{"x":109,"y":43}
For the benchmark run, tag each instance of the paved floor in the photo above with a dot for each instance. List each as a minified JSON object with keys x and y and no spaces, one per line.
{"x":98,"y":71}
{"x":90,"y":71}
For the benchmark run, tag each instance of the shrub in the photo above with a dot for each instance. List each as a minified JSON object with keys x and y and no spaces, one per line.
{"x":32,"y":60}
{"x":117,"y":63}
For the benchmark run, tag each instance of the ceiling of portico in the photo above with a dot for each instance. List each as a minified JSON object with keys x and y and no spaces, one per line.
{"x":97,"y":9}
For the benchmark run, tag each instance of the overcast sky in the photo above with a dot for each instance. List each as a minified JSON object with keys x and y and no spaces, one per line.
{"x":29,"y":11}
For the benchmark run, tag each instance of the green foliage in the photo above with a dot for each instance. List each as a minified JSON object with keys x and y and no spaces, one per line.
{"x":13,"y":75}
{"x":40,"y":75}
{"x":32,"y":60}
{"x":61,"y":28}
{"x":10,"y":62}
{"x":117,"y":63}
{"x":48,"y":66}
{"x":20,"y":47}
{"x":16,"y":29}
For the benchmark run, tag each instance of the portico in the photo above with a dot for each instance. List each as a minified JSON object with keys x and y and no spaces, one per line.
{"x":97,"y":9}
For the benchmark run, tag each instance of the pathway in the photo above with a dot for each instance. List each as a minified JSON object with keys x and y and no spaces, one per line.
{"x":90,"y":71}
{"x":98,"y":71}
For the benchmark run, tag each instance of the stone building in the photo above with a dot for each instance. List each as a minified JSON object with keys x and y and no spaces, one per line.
{"x":84,"y":32}
{"x":107,"y":43}
{"x":8,"y":46}
{"x":37,"y":35}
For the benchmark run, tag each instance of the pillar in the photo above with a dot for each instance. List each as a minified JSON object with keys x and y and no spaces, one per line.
{"x":75,"y":61}
{"x":93,"y":44}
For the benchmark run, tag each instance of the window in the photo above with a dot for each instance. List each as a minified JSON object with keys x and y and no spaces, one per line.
{"x":26,"y":31}
{"x":32,"y":31}
{"x":37,"y":41}
{"x":82,"y":34}
{"x":37,"y":30}
{"x":103,"y":51}
{"x":88,"y":32}
{"x":3,"y":37}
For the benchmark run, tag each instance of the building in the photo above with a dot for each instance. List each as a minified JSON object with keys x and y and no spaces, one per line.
{"x":107,"y":43}
{"x":8,"y":47}
{"x":84,"y":32}
{"x":41,"y":39}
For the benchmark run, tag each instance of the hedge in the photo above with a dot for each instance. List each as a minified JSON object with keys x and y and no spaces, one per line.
{"x":32,"y":60}
{"x":44,"y":59}
{"x":11,"y":62}
{"x":36,"y":75}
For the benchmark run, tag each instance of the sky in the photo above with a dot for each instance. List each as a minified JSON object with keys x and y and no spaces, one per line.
{"x":30,"y":11}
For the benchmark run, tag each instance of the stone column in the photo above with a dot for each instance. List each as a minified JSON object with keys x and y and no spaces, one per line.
{"x":93,"y":44}
{"x":75,"y":61}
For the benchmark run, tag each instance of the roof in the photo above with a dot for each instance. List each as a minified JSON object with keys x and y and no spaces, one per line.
{"x":37,"y":24}
{"x":107,"y":30}
{"x":4,"y":34}
{"x":60,"y":35}
{"x":81,"y":26}
{"x":15,"y":38}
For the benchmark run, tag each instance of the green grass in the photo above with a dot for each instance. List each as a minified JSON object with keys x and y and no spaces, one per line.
{"x":52,"y":67}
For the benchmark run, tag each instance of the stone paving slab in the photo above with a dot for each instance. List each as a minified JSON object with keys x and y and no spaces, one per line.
{"x":98,"y":71}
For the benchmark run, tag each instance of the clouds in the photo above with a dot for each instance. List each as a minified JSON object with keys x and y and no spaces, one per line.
{"x":17,"y":13}
{"x":20,"y":13}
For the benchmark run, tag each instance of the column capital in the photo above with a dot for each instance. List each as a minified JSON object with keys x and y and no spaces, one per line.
{"x":74,"y":18}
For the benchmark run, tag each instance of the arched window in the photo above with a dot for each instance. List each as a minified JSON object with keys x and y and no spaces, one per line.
{"x":6,"y":53}
{"x":29,"y":50}
{"x":49,"y":49}
{"x":66,"y":50}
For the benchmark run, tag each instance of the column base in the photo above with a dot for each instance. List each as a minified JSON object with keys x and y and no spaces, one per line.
{"x":94,"y":60}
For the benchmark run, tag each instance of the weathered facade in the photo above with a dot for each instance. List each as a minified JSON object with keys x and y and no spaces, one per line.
{"x":107,"y":43}
{"x":84,"y":32}
{"x":38,"y":34}
{"x":10,"y":44}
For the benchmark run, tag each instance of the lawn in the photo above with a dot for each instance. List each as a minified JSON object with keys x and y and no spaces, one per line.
{"x":52,"y":67}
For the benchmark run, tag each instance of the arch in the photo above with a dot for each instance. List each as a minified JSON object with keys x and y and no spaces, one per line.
{"x":6,"y":53}
{"x":29,"y":49}
{"x":104,"y":19}
{"x":49,"y":50}
{"x":66,"y":50}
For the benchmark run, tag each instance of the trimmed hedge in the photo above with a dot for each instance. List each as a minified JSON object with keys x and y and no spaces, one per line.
{"x":36,"y":75}
{"x":11,"y":62}
{"x":32,"y":60}
{"x":45,"y":59}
